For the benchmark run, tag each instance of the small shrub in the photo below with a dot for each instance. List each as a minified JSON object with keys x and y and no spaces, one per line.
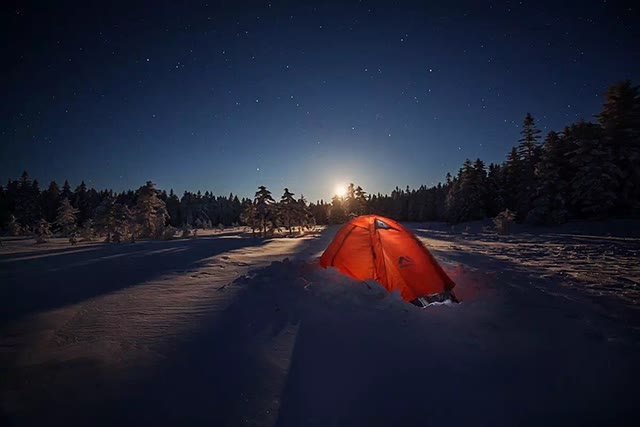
{"x":42,"y":231}
{"x":169,"y":233}
{"x":503,"y":221}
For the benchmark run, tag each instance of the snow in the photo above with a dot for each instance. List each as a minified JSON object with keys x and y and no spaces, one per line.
{"x":227,"y":329}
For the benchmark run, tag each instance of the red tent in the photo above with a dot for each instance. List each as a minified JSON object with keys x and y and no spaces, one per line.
{"x":372,"y":247}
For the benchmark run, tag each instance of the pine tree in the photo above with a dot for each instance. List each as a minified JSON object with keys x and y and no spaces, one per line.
{"x":105,"y":221}
{"x":50,"y":202}
{"x":173,"y":209}
{"x":466,"y":196}
{"x":593,"y":187}
{"x":66,"y":218}
{"x":114,"y":220}
{"x":494,"y":196}
{"x":306,"y":219}
{"x":337,"y":214}
{"x":620,"y":121}
{"x":151,"y":211}
{"x":264,"y":210}
{"x":528,"y":152}
{"x":359,"y":201}
{"x":512,"y":171}
{"x":27,"y":206}
{"x":550,"y":204}
{"x":81,"y":201}
{"x":123,"y":223}
{"x":249,"y":217}
{"x":288,"y":211}
{"x":66,"y":191}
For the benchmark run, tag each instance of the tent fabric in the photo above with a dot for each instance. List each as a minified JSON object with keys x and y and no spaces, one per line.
{"x":373,"y":247}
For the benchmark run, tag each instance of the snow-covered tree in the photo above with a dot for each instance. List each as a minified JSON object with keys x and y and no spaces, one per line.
{"x":66,"y":218}
{"x":306,"y":218}
{"x":124,"y":224}
{"x":13,"y":227}
{"x":151,"y":211}
{"x":114,"y":220}
{"x":288,"y":211}
{"x":503,"y":221}
{"x":264,"y":210}
{"x":249,"y":217}
{"x":42,"y":231}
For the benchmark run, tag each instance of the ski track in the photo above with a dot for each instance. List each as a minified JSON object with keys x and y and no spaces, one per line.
{"x":216,"y":310}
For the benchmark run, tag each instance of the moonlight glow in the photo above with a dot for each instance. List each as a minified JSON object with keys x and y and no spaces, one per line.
{"x":340,"y":190}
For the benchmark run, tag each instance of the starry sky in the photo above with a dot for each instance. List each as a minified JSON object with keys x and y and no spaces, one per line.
{"x":226,"y":96}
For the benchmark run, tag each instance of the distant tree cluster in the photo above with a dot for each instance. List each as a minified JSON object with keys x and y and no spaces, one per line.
{"x":85,"y":213}
{"x":265,"y":215}
{"x":587,"y":171}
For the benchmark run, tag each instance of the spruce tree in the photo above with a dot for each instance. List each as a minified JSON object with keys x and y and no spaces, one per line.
{"x":359,"y":201}
{"x":494,"y":195}
{"x":288,"y":211}
{"x":173,"y":209}
{"x":27,"y":206}
{"x":264,"y":209}
{"x":512,"y":172}
{"x":550,"y":205}
{"x":528,"y":155}
{"x":50,"y":202}
{"x":337,"y":214}
{"x":66,"y":192}
{"x":151,"y":211}
{"x":620,"y":121}
{"x":594,"y":184}
{"x":13,"y":226}
{"x":66,"y":218}
{"x":306,"y":219}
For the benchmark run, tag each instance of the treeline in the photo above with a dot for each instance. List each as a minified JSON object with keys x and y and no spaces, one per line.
{"x":25,"y":209}
{"x":589,"y":170}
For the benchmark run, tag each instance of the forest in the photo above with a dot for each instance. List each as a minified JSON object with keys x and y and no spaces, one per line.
{"x":588,"y":170}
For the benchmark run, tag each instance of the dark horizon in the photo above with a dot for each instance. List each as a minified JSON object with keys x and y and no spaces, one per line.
{"x":223,"y":99}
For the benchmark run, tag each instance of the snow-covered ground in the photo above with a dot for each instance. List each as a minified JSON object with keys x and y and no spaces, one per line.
{"x":232,"y":330}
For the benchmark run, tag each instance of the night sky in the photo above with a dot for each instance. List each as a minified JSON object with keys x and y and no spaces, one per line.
{"x":204,"y":96}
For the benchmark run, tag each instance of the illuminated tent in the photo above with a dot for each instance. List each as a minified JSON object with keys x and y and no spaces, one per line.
{"x":372,"y":247}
